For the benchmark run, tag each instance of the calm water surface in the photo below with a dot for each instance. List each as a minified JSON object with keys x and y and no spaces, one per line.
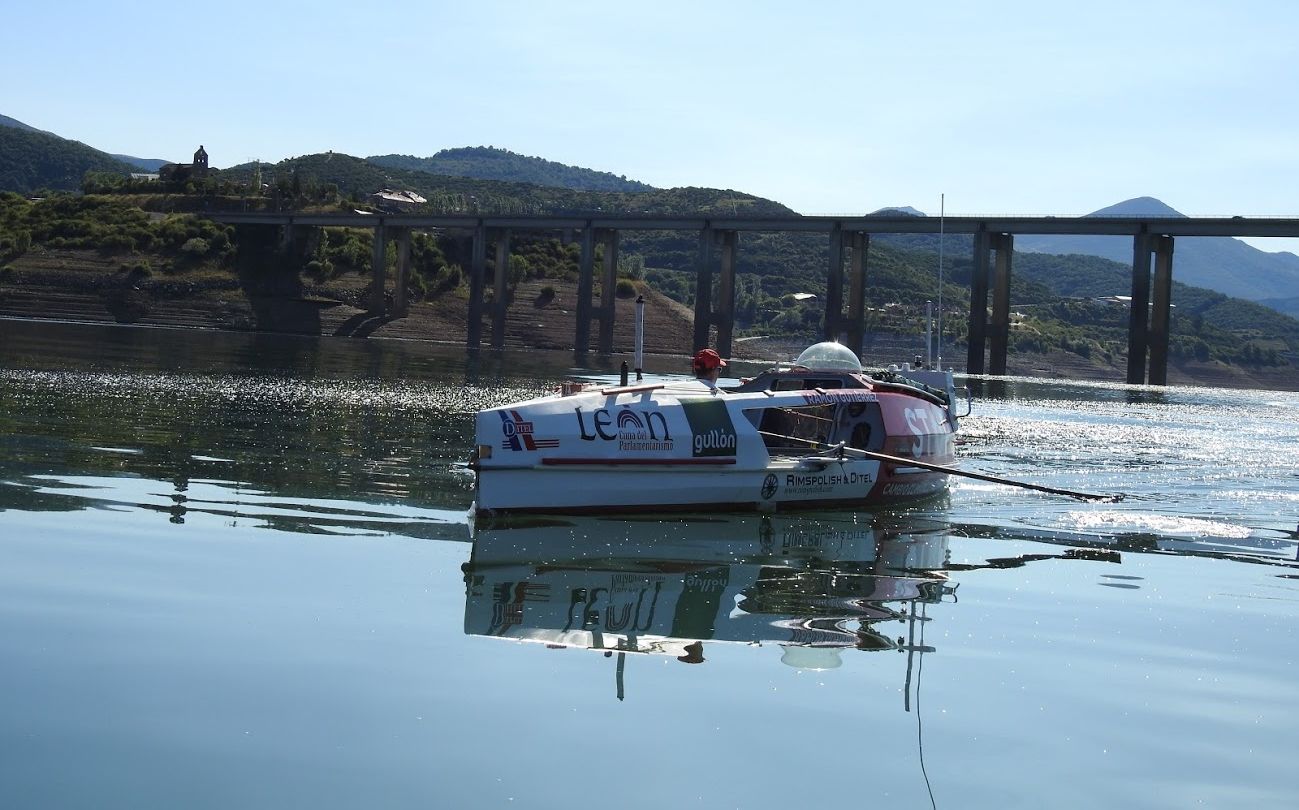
{"x":236,"y":571}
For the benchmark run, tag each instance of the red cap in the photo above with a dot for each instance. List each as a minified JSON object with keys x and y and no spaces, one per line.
{"x":707,"y":359}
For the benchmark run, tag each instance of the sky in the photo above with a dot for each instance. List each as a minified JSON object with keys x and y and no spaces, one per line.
{"x":1019,"y":108}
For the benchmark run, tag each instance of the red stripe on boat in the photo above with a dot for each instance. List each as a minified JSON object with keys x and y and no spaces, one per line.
{"x":638,"y":462}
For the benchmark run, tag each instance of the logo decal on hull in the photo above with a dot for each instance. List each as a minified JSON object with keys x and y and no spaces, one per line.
{"x":824,"y":483}
{"x":646,"y":431}
{"x":838,"y":395}
{"x":518,"y":434}
{"x":769,"y":485}
{"x":713,"y":433}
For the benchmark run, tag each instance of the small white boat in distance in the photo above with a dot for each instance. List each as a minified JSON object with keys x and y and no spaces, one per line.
{"x":815,"y":433}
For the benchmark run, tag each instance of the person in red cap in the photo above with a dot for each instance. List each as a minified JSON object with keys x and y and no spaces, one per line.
{"x":707,"y":365}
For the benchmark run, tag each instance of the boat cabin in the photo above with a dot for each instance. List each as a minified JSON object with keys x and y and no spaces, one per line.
{"x":842,"y":416}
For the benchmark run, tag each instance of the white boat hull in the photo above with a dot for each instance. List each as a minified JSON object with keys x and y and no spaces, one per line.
{"x":663,"y":487}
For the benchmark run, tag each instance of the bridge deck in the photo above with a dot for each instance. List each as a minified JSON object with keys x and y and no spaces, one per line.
{"x":1116,"y":226}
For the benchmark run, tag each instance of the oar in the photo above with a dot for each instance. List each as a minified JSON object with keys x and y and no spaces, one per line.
{"x":925,"y":465}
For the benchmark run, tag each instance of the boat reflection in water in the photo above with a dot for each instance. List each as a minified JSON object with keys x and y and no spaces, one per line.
{"x":816,"y":586}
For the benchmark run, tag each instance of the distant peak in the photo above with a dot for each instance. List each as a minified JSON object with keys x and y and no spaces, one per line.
{"x":897,"y":210}
{"x":1138,"y":207}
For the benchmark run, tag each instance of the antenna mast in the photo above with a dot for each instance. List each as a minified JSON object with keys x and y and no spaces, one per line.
{"x":942,"y":206}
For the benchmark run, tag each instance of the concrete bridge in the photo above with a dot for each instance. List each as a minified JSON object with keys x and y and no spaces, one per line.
{"x":993,"y":246}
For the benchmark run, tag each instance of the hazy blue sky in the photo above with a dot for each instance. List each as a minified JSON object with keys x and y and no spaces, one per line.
{"x":831,"y":107}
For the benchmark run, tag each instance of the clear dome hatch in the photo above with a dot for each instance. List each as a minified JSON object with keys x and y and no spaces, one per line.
{"x":829,"y":356}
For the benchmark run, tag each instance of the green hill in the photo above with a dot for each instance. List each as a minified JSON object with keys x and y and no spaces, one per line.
{"x":1288,"y":306}
{"x":355,"y":177}
{"x":31,"y":160}
{"x":490,"y":163}
{"x":1196,"y":310}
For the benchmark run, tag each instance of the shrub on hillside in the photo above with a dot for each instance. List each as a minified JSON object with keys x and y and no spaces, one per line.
{"x":117,"y":243}
{"x":136,"y":271}
{"x":15,"y":243}
{"x":126,"y":305}
{"x":319,"y":270}
{"x":447,"y":279}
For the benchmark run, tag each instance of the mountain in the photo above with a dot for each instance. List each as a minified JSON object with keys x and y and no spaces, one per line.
{"x":31,"y":159}
{"x":145,"y":164}
{"x":1215,"y":262}
{"x":490,"y":163}
{"x":6,"y":121}
{"x":1289,"y":306}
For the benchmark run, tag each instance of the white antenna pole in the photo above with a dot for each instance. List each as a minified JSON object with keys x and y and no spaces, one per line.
{"x":929,"y":334}
{"x":942,"y":208}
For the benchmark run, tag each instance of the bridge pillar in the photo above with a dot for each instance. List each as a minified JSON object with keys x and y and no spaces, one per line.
{"x":400,"y":299}
{"x":585,"y":268}
{"x":859,"y":244}
{"x":978,"y":326}
{"x":1004,"y":244}
{"x":608,"y":289}
{"x":725,"y":315}
{"x":1139,"y":309}
{"x":1159,"y":315}
{"x":704,"y":287}
{"x":834,"y":284}
{"x":298,"y":241}
{"x":378,"y":270}
{"x":500,"y":291}
{"x":477,"y":277}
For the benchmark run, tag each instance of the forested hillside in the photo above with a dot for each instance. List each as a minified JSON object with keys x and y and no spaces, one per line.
{"x":1287,"y":306}
{"x":355,"y":177}
{"x":31,"y":160}
{"x":490,"y":163}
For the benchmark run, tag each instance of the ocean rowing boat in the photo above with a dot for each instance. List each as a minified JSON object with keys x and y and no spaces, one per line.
{"x":818,"y":432}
